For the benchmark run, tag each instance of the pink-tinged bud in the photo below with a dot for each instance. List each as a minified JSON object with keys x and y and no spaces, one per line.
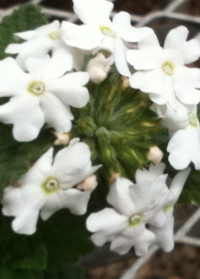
{"x":62,"y":139}
{"x":88,"y":184}
{"x":155,"y":155}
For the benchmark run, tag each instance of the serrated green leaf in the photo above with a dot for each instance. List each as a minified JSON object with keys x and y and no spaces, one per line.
{"x":16,"y":157}
{"x":26,"y":17}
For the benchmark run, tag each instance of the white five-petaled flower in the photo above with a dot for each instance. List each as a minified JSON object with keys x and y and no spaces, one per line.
{"x":38,"y":42}
{"x":172,"y":119}
{"x":135,"y":205}
{"x":148,"y":202}
{"x":45,"y":94}
{"x":165,"y":234}
{"x":48,"y":187}
{"x":184,"y":145}
{"x":100,"y":33}
{"x":162,"y":72}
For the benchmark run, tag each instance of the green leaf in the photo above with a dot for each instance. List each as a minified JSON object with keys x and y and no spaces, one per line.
{"x":7,"y":273}
{"x":66,"y":238}
{"x":72,"y":271}
{"x":20,"y":251}
{"x":27,"y":17}
{"x":191,"y":190}
{"x":16,"y":157}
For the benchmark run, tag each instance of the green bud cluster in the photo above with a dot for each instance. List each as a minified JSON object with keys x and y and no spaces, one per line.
{"x":118,"y":126}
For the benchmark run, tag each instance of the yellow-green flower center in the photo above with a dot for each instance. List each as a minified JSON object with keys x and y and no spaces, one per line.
{"x":168,"y":68}
{"x":107,"y":31}
{"x":54,"y":35}
{"x":167,"y":207}
{"x":193,"y":119}
{"x":135,"y":220}
{"x":50,"y":185}
{"x":36,"y":88}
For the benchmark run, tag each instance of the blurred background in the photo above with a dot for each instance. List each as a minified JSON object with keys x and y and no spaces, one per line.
{"x":184,"y":261}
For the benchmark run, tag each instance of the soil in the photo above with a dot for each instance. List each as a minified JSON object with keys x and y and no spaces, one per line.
{"x":182,"y":263}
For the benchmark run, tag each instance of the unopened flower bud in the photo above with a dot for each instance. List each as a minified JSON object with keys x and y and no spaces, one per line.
{"x":98,"y":68}
{"x":155,"y":155}
{"x":125,"y":82}
{"x":114,"y":177}
{"x":88,"y":184}
{"x":62,"y":139}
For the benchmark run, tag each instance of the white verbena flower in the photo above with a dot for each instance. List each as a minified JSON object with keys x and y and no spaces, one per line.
{"x":184,"y":145}
{"x":48,"y":187}
{"x":162,"y":72}
{"x":99,"y":32}
{"x":165,"y":234}
{"x":38,"y":42}
{"x":135,"y":205}
{"x":45,"y":94}
{"x":173,"y":119}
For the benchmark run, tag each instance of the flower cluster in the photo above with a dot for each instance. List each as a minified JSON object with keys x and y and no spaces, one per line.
{"x":173,"y":88}
{"x":147,"y":202}
{"x":49,"y":75}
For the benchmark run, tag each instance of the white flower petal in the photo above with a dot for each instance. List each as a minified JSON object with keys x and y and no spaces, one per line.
{"x":9,"y":69}
{"x":186,"y":92}
{"x":75,"y":200}
{"x":120,"y":58}
{"x":85,"y":37}
{"x":33,"y":48}
{"x":167,"y":94}
{"x":70,"y":89}
{"x":119,"y":197}
{"x":25,"y":115}
{"x":176,"y":37}
{"x":151,"y":174}
{"x":122,"y":20}
{"x":165,"y":235}
{"x":148,"y":196}
{"x":177,"y":185}
{"x":191,"y":75}
{"x":60,"y":63}
{"x":107,"y":221}
{"x":12,"y":201}
{"x":72,"y":164}
{"x":91,"y":11}
{"x":35,"y":65}
{"x":144,"y":242}
{"x":25,"y":223}
{"x":56,"y":113}
{"x":158,"y":219}
{"x":190,"y":51}
{"x":27,"y":35}
{"x":40,"y":170}
{"x":145,"y":60}
{"x":121,"y":244}
{"x":13,"y":48}
{"x":99,"y":238}
{"x":184,"y":147}
{"x":148,"y":81}
{"x":149,"y":42}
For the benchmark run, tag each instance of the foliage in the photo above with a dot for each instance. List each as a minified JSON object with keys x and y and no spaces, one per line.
{"x":27,"y":17}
